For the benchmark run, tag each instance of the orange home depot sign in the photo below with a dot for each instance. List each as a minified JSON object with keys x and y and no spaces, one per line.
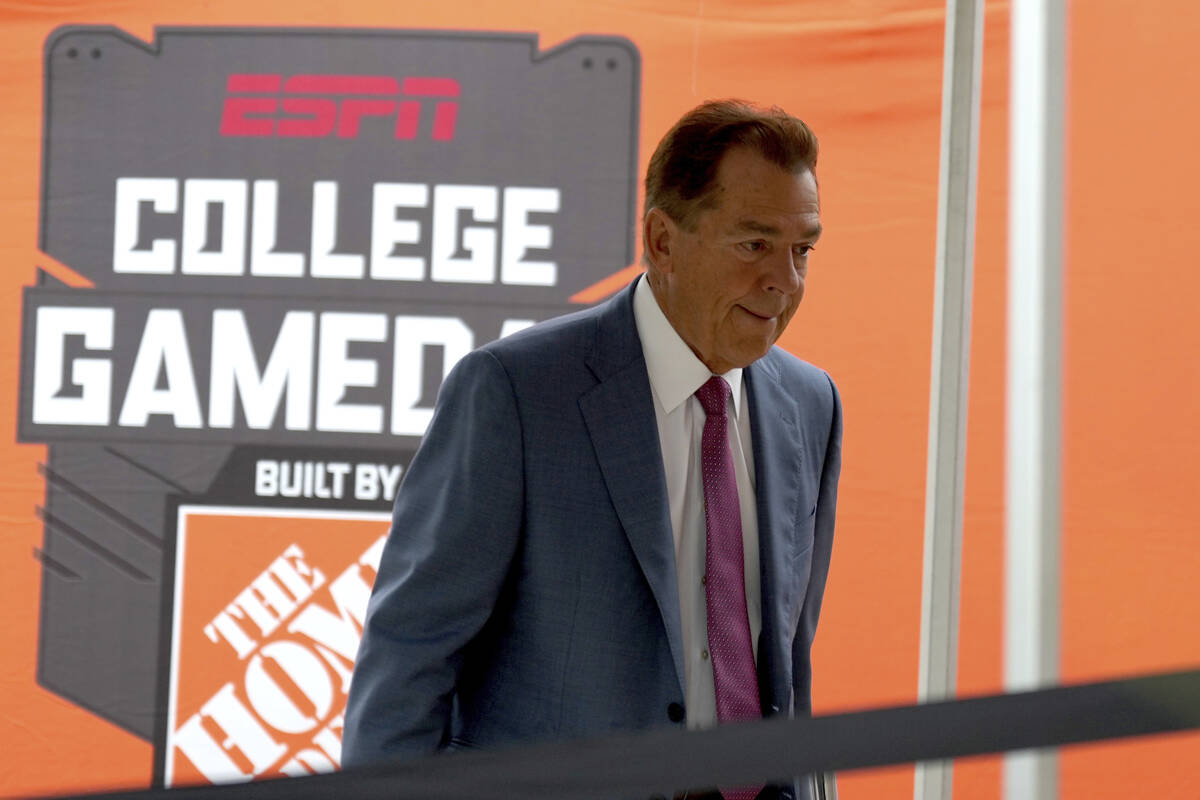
{"x":267,"y":615}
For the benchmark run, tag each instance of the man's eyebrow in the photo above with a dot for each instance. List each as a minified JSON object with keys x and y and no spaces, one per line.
{"x":766,"y":229}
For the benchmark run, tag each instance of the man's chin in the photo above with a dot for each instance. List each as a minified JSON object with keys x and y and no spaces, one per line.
{"x":745,"y":356}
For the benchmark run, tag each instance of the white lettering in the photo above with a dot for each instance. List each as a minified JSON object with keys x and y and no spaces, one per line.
{"x":325,"y":262}
{"x":300,"y":478}
{"x":412,"y":335}
{"x":366,"y":482}
{"x":243,"y":384}
{"x":307,"y":762}
{"x":263,"y":260}
{"x":242,"y":731}
{"x":224,"y":626}
{"x":457,"y":253}
{"x":338,"y":470}
{"x":92,"y":375}
{"x":234,"y":367}
{"x":329,"y":757}
{"x":330,"y":739}
{"x":339,"y":372}
{"x":387,"y":231}
{"x":271,"y":700}
{"x":337,"y":634}
{"x":519,"y":236}
{"x":391,"y":480}
{"x":131,"y":193}
{"x":163,"y":349}
{"x":198,"y":256}
{"x":480,"y":265}
{"x":300,"y":577}
{"x":266,"y":478}
{"x":266,"y":602}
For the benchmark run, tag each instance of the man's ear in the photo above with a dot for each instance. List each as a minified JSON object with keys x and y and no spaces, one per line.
{"x":659,"y":234}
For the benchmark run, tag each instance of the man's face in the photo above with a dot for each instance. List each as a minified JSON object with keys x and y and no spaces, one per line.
{"x":731,"y":285}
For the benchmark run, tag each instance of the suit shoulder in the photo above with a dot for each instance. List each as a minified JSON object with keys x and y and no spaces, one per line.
{"x":809,"y":384}
{"x":549,"y":345}
{"x":796,"y":372}
{"x":816,"y":397}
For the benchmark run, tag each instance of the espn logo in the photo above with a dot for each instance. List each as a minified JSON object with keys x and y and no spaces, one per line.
{"x":316,"y":106}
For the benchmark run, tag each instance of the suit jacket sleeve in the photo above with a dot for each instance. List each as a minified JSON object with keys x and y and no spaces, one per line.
{"x":455,"y":528}
{"x":822,"y":550}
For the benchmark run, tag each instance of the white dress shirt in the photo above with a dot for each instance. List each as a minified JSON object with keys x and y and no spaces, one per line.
{"x":675,"y":374}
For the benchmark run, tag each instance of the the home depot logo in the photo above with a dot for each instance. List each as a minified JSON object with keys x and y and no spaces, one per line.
{"x":317,"y":106}
{"x":269,"y":612}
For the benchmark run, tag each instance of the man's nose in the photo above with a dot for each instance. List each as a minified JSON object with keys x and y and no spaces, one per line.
{"x":784,"y":272}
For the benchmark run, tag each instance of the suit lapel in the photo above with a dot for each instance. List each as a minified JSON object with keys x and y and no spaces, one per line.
{"x":619,"y":414}
{"x":777,"y":463}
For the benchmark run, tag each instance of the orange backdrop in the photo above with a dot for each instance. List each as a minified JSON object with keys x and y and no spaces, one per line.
{"x":866,"y":74}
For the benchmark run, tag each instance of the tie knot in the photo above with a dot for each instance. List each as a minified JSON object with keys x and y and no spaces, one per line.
{"x":712,"y":396}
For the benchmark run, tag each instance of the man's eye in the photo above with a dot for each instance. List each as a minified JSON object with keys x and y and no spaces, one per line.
{"x":803,"y":249}
{"x":754,"y":246}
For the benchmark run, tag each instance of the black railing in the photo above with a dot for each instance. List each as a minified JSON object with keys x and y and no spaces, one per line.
{"x":664,"y":762}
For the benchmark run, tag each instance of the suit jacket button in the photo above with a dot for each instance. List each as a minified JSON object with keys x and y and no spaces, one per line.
{"x":675,"y":712}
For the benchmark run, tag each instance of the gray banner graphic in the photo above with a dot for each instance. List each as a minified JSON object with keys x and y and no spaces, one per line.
{"x":290,"y":236}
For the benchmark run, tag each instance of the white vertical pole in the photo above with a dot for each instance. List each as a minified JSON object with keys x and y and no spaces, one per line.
{"x":946,"y":467}
{"x":1031,"y":624}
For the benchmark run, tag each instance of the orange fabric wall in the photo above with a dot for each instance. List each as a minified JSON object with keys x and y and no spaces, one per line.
{"x":867,"y":76}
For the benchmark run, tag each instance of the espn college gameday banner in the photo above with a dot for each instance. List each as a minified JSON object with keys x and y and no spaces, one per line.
{"x":279,"y":243}
{"x":243,"y":240}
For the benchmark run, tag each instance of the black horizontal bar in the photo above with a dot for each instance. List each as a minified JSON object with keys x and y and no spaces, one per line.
{"x":668,"y":761}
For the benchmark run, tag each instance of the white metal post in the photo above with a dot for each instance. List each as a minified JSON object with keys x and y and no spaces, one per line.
{"x":1031,"y":623}
{"x":946,"y":466}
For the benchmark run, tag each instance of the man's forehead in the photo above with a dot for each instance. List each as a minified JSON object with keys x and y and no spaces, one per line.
{"x":744,"y":172}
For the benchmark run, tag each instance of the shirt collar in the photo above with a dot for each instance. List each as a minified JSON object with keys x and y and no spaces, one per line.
{"x":675,"y":372}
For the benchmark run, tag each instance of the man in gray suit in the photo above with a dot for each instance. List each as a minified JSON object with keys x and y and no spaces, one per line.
{"x":623,"y":518}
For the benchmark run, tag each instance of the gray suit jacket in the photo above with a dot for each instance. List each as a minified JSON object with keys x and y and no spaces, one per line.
{"x":527,"y":589}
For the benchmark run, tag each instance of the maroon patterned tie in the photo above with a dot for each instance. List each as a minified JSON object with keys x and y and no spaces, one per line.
{"x":729,"y":645}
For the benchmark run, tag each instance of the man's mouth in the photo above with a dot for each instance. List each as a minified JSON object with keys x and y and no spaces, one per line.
{"x":759,"y":315}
